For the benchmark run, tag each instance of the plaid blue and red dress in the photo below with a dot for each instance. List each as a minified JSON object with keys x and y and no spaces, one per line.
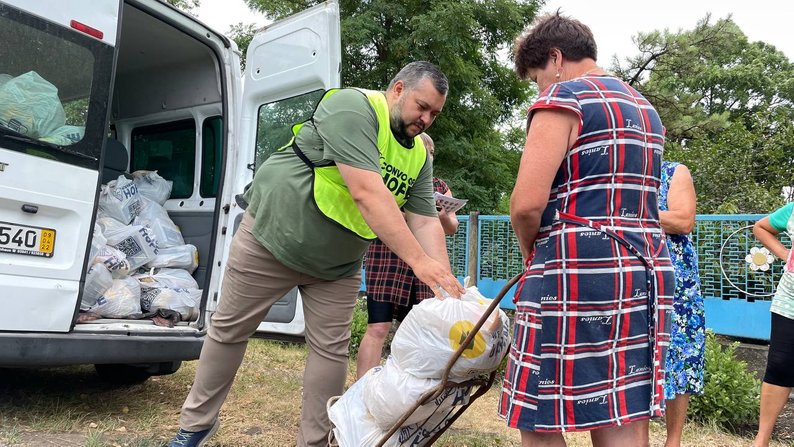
{"x":592,"y":311}
{"x":388,"y":278}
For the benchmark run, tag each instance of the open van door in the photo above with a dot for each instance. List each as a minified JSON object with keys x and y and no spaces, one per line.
{"x":55,"y":80}
{"x":289,"y":65}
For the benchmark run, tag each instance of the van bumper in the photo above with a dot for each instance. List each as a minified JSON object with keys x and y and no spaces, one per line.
{"x":49,"y":349}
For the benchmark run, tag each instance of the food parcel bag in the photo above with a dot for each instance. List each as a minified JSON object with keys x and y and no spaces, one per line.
{"x":152,"y":186}
{"x":434,"y":330}
{"x":120,"y":200}
{"x":97,"y":281}
{"x":136,"y":242}
{"x":354,"y":426}
{"x":154,"y":217}
{"x":180,"y":257}
{"x":31,"y":105}
{"x":121,"y":300}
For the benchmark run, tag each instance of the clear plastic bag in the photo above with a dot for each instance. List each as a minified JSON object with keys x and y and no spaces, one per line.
{"x":167,"y":277}
{"x":155,"y":218}
{"x":137,"y":243}
{"x":120,"y":200}
{"x":434,"y":330}
{"x":122,"y":300}
{"x":30,"y":105}
{"x":98,"y":242}
{"x":65,"y":135}
{"x":114,"y":260}
{"x":180,"y":257}
{"x":391,"y":392}
{"x":152,"y":186}
{"x":184,"y":301}
{"x":97,"y":281}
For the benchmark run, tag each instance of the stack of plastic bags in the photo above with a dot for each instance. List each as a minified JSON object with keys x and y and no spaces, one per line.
{"x":139,"y":261}
{"x":422,"y":346}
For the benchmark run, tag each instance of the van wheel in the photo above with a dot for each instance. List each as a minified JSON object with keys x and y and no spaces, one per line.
{"x":122,"y":374}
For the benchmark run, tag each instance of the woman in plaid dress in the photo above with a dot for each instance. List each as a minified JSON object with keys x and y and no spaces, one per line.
{"x":591,"y":318}
{"x":392,"y":287}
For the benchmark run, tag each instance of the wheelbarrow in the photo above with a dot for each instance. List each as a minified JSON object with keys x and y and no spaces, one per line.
{"x":476,"y":387}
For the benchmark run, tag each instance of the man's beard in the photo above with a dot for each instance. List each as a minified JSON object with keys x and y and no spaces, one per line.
{"x":398,"y":126}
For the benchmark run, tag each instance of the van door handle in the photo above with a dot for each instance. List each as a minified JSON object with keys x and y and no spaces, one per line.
{"x":32,"y":209}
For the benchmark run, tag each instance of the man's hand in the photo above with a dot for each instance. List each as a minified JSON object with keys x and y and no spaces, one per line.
{"x":437,"y":277}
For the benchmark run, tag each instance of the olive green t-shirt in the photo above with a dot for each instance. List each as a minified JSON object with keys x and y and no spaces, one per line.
{"x":287,"y":221}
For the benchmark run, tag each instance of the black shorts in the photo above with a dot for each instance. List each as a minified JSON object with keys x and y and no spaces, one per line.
{"x":780,"y":361}
{"x":385,"y":312}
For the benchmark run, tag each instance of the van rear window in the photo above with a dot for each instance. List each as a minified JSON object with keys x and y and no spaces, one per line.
{"x":169,"y":149}
{"x":53,"y":89}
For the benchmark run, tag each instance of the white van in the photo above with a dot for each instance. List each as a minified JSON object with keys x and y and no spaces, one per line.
{"x":143,"y":86}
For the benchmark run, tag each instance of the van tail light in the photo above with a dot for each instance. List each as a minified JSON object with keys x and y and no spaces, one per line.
{"x":83,"y":28}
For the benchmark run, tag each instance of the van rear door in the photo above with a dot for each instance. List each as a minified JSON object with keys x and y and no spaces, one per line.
{"x":55,"y":80}
{"x":288,"y":67}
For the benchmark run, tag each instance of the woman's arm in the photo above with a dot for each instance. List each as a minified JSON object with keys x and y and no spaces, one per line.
{"x":681,"y":201}
{"x":767,"y":235}
{"x":449,"y":221}
{"x":551,"y":133}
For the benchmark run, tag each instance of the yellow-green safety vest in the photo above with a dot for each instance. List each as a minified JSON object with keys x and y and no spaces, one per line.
{"x":399,"y":167}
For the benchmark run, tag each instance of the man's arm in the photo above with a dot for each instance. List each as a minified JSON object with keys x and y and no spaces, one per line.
{"x":381,"y":213}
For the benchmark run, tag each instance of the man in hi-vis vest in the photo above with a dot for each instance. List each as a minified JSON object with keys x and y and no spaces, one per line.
{"x":314,"y":207}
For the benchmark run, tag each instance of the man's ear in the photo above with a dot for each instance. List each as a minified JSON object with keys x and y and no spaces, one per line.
{"x":398,"y":87}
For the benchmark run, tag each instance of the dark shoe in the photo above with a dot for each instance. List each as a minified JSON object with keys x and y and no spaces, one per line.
{"x":186,"y":438}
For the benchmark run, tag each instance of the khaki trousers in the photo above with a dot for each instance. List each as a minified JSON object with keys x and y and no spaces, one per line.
{"x":253,"y":281}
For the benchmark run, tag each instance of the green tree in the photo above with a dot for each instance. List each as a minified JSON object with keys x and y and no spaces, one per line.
{"x":189,"y":6}
{"x":728,"y":106}
{"x":476,"y":149}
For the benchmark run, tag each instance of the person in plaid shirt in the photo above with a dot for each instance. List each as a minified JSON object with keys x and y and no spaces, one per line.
{"x":592,"y":310}
{"x":392,"y":287}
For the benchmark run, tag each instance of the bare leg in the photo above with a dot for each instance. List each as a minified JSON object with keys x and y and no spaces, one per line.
{"x":533,"y":439}
{"x":675,"y":418}
{"x":773,"y":399}
{"x":634,"y":434}
{"x":371,"y":349}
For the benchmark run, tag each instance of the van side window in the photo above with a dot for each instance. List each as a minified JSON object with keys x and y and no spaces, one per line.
{"x":211,"y":161}
{"x":276,"y":119}
{"x":169,"y":149}
{"x":54,"y":86}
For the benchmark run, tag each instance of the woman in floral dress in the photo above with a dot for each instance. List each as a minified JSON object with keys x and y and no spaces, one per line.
{"x":685,"y":357}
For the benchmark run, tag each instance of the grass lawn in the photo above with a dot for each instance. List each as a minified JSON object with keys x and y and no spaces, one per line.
{"x":70,"y":407}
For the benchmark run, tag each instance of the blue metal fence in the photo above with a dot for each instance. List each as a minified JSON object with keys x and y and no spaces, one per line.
{"x":737,"y":301}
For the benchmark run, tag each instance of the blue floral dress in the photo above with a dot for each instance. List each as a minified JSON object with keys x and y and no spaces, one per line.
{"x":684,"y":364}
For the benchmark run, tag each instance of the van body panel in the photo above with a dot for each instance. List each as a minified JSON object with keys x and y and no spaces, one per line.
{"x":289,"y":58}
{"x":102,"y":15}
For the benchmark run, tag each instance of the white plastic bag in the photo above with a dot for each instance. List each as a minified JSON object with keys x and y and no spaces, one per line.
{"x":31,"y":105}
{"x":97,"y":281}
{"x":98,"y":242}
{"x":434,"y":329}
{"x":181,"y":257}
{"x":155,"y":217}
{"x":114,"y":260}
{"x":121,"y":300}
{"x":137,"y":243}
{"x":120,"y":200}
{"x":152,"y":186}
{"x":391,"y":392}
{"x":184,"y":301}
{"x":109,"y":225}
{"x":167,"y":277}
{"x":354,"y":426}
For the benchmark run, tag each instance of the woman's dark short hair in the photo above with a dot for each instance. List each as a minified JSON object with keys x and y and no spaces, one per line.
{"x":572,"y":37}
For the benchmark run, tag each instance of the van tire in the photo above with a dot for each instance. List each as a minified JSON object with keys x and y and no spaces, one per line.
{"x":126,"y":374}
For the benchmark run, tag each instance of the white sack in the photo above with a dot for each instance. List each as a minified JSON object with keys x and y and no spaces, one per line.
{"x":181,"y":257}
{"x":97,"y":281}
{"x":114,"y":260}
{"x":167,"y":277}
{"x":120,"y":200}
{"x":121,"y":300}
{"x":433,"y":330}
{"x":184,"y":301}
{"x":137,"y":243}
{"x":155,"y":218}
{"x":152,"y":186}
{"x":98,"y":242}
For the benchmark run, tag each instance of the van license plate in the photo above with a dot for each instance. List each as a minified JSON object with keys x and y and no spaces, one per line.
{"x":26,"y":240}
